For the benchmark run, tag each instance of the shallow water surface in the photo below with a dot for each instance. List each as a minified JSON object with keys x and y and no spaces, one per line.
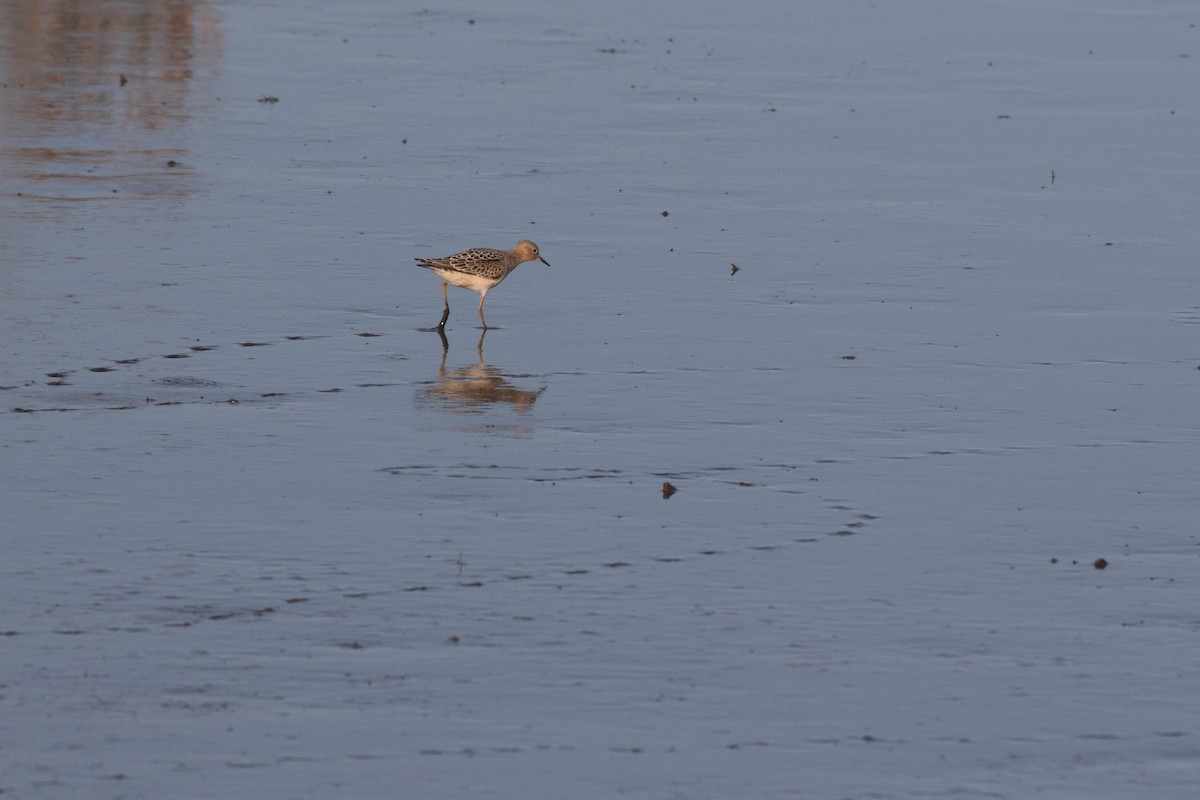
{"x":266,"y":534}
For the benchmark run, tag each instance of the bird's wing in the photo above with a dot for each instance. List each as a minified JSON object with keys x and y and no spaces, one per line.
{"x":471,"y":261}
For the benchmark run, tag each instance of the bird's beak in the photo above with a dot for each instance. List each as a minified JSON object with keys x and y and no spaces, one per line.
{"x":544,"y":261}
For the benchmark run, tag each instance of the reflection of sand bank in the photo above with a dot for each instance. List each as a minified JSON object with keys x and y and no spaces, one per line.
{"x":98,"y":91}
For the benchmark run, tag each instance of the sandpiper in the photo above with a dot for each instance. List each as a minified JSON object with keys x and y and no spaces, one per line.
{"x":479,"y":269}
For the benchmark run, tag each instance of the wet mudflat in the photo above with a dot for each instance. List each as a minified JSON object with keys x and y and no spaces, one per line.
{"x":265,"y":536}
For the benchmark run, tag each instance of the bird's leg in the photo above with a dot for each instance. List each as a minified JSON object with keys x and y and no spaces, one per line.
{"x":482,"y":296}
{"x":446,"y":312}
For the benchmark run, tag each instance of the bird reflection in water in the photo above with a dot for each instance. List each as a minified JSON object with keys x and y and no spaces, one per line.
{"x":474,"y":388}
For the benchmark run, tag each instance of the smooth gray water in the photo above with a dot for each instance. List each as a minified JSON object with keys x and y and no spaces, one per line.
{"x":266,"y":537}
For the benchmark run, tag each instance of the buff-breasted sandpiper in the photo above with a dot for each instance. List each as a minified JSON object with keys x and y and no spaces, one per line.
{"x":479,"y":269}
